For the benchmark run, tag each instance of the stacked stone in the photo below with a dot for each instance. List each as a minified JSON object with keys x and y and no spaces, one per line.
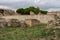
{"x":4,"y":12}
{"x":57,"y":21}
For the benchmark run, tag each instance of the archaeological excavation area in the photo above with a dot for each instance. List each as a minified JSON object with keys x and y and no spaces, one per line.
{"x":29,"y":27}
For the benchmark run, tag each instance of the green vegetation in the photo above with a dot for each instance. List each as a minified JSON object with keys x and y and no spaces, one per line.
{"x":22,"y":33}
{"x":43,"y":12}
{"x":26,"y":11}
{"x":21,"y":10}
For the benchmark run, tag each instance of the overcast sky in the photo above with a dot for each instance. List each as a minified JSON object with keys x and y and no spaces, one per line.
{"x":42,"y":4}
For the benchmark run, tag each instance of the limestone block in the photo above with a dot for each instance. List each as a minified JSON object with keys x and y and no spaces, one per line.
{"x":32,"y":22}
{"x":32,"y":13}
{"x":15,"y":23}
{"x":3,"y":22}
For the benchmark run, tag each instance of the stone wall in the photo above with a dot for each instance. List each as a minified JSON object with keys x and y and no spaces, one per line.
{"x":6,"y":12}
{"x":18,"y":20}
{"x":41,"y":18}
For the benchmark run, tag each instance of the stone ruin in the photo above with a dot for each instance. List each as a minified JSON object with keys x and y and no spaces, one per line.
{"x":3,"y":22}
{"x":32,"y":22}
{"x":4,"y":12}
{"x":27,"y":22}
{"x":11,"y":23}
{"x":14,"y":23}
{"x":18,"y":23}
{"x":50,"y":24}
{"x":55,"y":22}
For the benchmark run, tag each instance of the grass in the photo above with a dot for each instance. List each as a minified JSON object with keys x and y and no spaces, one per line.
{"x":21,"y":33}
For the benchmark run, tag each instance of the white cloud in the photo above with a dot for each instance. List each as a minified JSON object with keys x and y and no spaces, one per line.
{"x":43,"y":4}
{"x":9,"y":1}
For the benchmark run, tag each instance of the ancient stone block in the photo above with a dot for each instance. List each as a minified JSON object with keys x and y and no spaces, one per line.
{"x":3,"y":22}
{"x":23,"y":24}
{"x":50,"y":24}
{"x":32,"y":22}
{"x":14,"y":23}
{"x":5,"y":12}
{"x":32,"y":13}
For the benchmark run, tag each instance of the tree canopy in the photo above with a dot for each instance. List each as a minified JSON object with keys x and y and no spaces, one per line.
{"x":20,"y":11}
{"x":26,"y":11}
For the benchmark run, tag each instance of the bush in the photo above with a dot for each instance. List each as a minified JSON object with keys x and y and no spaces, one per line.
{"x":43,"y":12}
{"x":26,"y":11}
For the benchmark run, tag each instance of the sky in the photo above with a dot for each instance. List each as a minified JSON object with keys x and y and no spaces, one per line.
{"x":42,"y":4}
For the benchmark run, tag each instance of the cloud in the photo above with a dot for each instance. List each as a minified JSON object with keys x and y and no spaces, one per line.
{"x":8,"y":1}
{"x":42,"y":4}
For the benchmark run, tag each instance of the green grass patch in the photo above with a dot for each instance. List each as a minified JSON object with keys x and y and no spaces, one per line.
{"x":22,"y":33}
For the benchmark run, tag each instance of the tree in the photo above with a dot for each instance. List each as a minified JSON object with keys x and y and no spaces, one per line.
{"x":20,"y":11}
{"x":43,"y":12}
{"x":26,"y":11}
{"x":35,"y":10}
